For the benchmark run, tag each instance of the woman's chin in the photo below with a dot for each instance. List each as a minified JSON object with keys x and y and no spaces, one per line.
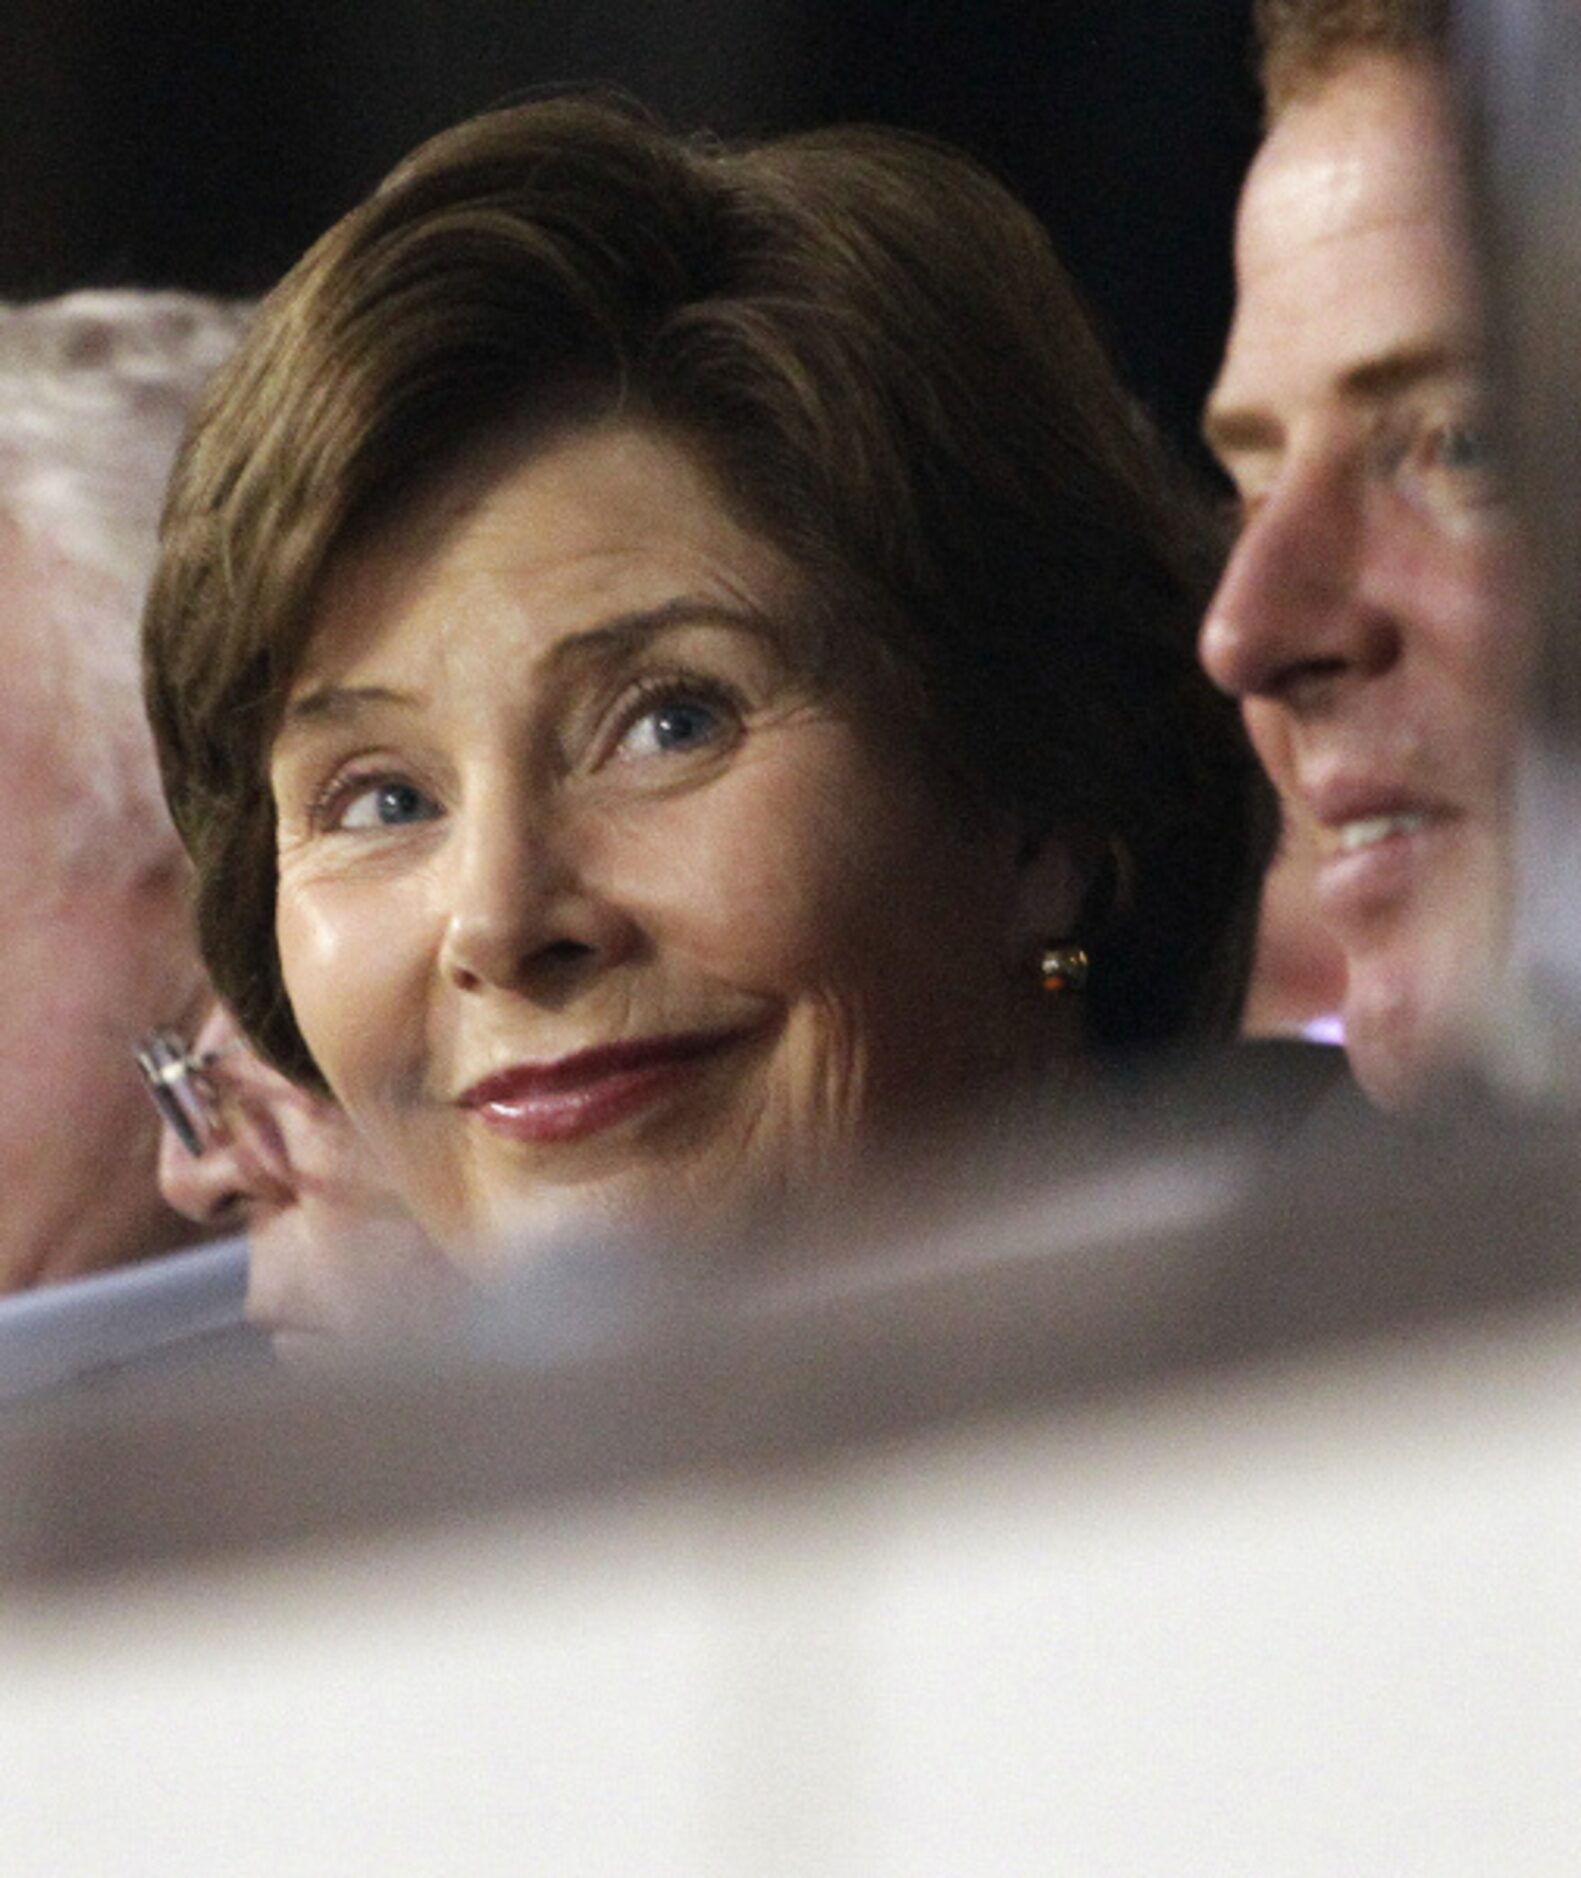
{"x":639,"y":1209}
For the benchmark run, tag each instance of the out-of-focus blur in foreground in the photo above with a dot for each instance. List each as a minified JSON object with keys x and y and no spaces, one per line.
{"x":1205,"y":1506}
{"x":1207,"y":1513}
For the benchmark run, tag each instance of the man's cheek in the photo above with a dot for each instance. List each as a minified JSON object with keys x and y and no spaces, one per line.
{"x":1266,"y":727}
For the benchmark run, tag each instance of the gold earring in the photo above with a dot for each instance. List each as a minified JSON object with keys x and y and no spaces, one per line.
{"x":1063,"y":968}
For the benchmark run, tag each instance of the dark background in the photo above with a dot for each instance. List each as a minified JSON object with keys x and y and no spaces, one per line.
{"x":203,"y":143}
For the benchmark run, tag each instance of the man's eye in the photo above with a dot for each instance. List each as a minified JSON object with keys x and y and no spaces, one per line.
{"x":1456,"y":468}
{"x":386,"y":804}
{"x":1467,"y":450}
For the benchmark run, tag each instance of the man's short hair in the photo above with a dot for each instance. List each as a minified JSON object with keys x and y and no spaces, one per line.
{"x":95,"y":392}
{"x":1301,"y":43}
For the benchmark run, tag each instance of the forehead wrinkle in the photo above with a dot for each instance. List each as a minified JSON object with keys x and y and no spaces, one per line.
{"x":1340,"y":197}
{"x":1367,"y":156}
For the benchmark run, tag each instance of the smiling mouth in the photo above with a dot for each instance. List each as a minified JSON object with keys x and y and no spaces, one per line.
{"x":581,"y":1095}
{"x":1375,"y":861}
{"x":1367,"y":831}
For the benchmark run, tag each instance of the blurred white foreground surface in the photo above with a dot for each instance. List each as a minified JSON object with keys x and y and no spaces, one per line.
{"x":1319,"y":1615}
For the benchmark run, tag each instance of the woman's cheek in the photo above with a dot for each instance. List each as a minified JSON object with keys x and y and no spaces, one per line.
{"x":763,"y":879}
{"x":347,"y":958}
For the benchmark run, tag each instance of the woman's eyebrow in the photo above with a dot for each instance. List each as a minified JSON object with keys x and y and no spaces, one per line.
{"x":341,"y":701}
{"x":626,"y":633}
{"x":614,"y":639}
{"x":327,"y":707}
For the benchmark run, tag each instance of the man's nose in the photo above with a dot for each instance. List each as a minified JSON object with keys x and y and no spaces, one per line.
{"x":1297,"y":612}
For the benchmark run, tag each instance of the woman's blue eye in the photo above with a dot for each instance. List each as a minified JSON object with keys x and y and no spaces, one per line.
{"x":676,"y":725}
{"x":387,"y":805}
{"x":679,"y":726}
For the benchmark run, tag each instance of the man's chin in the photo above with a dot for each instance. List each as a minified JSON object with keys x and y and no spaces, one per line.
{"x":1385,"y":1060}
{"x":1411,"y":1031}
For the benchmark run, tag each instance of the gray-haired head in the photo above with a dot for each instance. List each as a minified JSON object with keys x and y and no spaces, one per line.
{"x":95,"y":392}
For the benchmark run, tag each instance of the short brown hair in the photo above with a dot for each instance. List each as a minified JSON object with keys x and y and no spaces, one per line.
{"x":876,"y":351}
{"x":1301,"y":43}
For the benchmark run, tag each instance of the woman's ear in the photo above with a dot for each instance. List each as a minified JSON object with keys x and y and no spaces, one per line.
{"x":1054,"y":871}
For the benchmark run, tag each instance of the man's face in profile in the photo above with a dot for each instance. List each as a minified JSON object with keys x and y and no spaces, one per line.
{"x":85,"y":965}
{"x":331,"y":1252}
{"x":1371,"y":617}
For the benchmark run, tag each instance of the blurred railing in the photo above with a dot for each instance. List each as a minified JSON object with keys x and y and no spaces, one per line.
{"x":1207,"y":1509}
{"x":1520,"y":63}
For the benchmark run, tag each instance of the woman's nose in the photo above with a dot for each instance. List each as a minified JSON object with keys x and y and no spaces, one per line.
{"x":522,"y":904}
{"x":1297,"y":612}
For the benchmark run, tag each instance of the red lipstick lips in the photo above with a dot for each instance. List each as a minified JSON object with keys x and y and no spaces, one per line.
{"x":582,"y":1094}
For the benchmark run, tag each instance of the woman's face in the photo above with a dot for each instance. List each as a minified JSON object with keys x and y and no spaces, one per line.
{"x":596,"y":908}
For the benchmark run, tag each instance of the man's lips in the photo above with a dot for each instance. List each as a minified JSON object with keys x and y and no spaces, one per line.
{"x":579,"y":1095}
{"x":1356,"y":833}
{"x":1351,"y":810}
{"x":1373,"y":845}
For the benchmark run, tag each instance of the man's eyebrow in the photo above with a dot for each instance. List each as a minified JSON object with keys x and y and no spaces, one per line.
{"x":1228,"y":431}
{"x":1374,"y":380}
{"x":1231,"y":429}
